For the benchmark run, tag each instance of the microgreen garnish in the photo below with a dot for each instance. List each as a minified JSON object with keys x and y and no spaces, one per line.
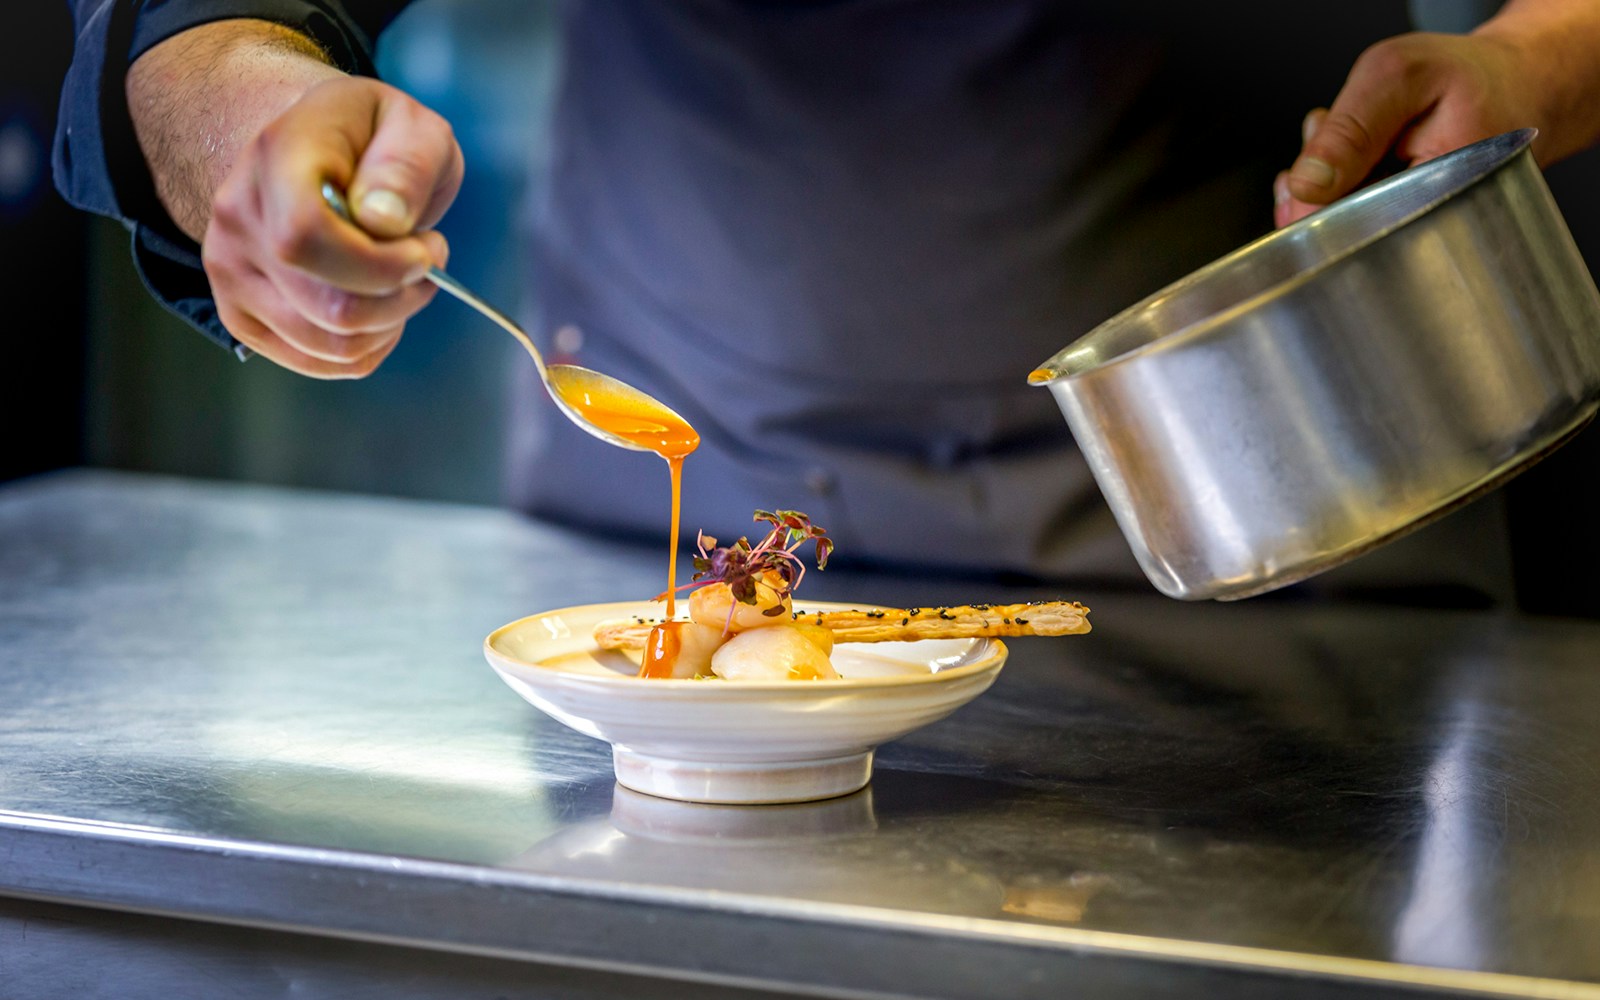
{"x":741,"y":565}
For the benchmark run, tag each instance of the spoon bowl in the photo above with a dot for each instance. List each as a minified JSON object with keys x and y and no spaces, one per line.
{"x":617,"y":413}
{"x":608,"y":408}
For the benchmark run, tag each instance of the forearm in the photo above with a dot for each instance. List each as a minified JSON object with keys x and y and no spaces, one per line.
{"x":199,"y":97}
{"x":1559,"y":44}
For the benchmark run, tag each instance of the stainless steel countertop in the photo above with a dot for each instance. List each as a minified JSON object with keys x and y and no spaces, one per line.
{"x":260,"y":707}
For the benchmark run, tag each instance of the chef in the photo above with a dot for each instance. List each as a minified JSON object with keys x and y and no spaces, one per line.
{"x":835,"y":236}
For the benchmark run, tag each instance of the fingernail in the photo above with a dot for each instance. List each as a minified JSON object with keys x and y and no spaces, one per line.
{"x":438,"y":248}
{"x":1308,"y":127}
{"x":1280,"y":189}
{"x":1313,"y":171}
{"x":387,"y":206}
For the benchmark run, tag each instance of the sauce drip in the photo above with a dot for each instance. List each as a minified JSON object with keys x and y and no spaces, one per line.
{"x":675,"y":468}
{"x":661,"y":650}
{"x":654,"y":429}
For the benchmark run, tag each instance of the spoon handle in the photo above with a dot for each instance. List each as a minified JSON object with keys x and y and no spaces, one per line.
{"x":461,"y":292}
{"x":341,"y":207}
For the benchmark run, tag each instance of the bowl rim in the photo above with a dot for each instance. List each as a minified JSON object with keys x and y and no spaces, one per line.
{"x":993,"y":657}
{"x":1511,"y":145}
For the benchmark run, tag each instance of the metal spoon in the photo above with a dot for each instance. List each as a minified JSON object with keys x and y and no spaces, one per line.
{"x":569,"y":385}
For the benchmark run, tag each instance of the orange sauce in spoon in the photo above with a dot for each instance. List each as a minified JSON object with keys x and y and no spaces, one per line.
{"x":660,"y":431}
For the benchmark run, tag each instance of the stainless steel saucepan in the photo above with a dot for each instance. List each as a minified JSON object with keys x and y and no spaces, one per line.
{"x":1341,"y":381}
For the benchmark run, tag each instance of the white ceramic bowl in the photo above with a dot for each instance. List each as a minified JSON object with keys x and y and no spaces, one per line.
{"x":737,"y":741}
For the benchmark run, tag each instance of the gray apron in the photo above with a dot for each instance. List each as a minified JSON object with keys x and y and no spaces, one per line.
{"x":837,"y":236}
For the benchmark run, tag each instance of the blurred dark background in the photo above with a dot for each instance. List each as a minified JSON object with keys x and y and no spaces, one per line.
{"x":95,"y":373}
{"x":41,"y":374}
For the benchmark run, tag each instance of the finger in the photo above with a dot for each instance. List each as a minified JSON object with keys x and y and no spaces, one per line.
{"x":1309,"y":125}
{"x":1285,"y":207}
{"x":359,"y":352}
{"x":336,"y":311}
{"x":355,"y":355}
{"x":342,"y":312}
{"x":263,"y":340}
{"x":259,"y":316}
{"x":438,"y":247}
{"x":321,"y":139}
{"x":409,"y":170}
{"x":1387,"y":89}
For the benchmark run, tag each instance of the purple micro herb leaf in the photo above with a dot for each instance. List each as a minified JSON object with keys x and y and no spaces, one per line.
{"x":741,"y":565}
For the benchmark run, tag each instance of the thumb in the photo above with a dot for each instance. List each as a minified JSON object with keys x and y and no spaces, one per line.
{"x":409,"y":172}
{"x":1383,"y":95}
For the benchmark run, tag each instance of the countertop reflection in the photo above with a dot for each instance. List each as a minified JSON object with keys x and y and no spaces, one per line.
{"x":269,"y":707}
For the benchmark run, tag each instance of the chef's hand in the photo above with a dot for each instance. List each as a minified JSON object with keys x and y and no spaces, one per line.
{"x":1417,"y":96}
{"x":241,"y":128}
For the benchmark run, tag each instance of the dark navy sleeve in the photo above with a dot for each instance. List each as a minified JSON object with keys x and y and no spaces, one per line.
{"x":97,"y":162}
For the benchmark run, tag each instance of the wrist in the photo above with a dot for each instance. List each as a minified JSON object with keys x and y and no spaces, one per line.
{"x":198,"y":98}
{"x":1556,"y":47}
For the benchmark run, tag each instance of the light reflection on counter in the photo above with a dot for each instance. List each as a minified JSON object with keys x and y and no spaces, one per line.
{"x":833,"y":851}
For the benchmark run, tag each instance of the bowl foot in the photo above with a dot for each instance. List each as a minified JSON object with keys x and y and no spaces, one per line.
{"x":742,"y":782}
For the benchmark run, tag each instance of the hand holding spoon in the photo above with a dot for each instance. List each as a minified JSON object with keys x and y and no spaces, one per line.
{"x":611,"y":410}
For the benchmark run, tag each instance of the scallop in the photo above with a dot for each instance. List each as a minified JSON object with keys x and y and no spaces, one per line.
{"x":772,"y":654}
{"x":680,"y":650}
{"x":711,"y":605}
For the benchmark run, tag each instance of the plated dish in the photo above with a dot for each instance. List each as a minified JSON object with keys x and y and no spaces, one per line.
{"x":737,"y":742}
{"x":754,"y":698}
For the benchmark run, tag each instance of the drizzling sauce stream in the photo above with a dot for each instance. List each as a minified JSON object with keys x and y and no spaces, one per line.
{"x":666,"y":434}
